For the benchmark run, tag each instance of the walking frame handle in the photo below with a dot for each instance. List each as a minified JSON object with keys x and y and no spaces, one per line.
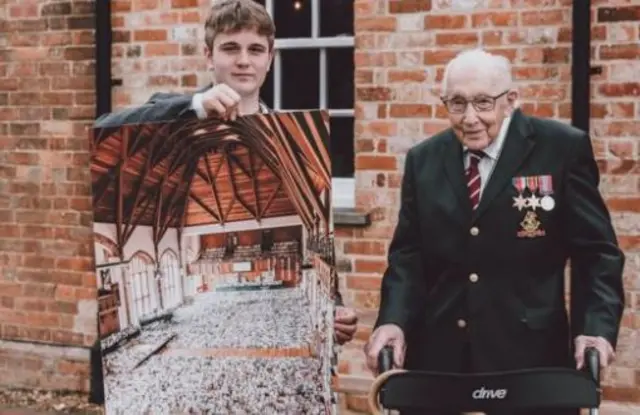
{"x":385,"y":359}
{"x":385,"y":369}
{"x":592,"y":363}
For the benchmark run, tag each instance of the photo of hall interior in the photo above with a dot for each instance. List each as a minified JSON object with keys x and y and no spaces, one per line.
{"x":215,"y":263}
{"x":250,"y":259}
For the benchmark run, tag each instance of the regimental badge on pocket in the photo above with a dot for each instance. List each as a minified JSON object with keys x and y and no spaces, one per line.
{"x":530,"y":226}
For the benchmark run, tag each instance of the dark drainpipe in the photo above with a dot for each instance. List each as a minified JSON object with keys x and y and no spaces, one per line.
{"x":103,"y":106}
{"x":103,"y":38}
{"x":581,"y":72}
{"x":581,"y":64}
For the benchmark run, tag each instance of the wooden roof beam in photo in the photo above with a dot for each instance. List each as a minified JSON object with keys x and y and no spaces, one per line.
{"x":293,"y":183}
{"x":205,"y":207}
{"x":292,"y":189}
{"x":183,"y":221}
{"x":306,"y":185}
{"x":120,"y":236}
{"x":158,"y":213}
{"x":197,"y":146}
{"x":131,"y":207}
{"x":174,"y":145}
{"x":210,"y":139}
{"x":142,"y":209}
{"x":99,"y":135}
{"x":254,"y":184}
{"x":252,"y":128}
{"x":281,"y":171}
{"x":154,"y":137}
{"x":252,"y":135}
{"x":165,"y":209}
{"x":130,"y":148}
{"x":180,"y":191}
{"x":315,"y":151}
{"x":211,"y":175}
{"x":102,"y":186}
{"x":232,"y":183}
{"x":155,"y":227}
{"x":270,"y":157}
{"x":287,"y":126}
{"x":232,"y":157}
{"x":272,"y":196}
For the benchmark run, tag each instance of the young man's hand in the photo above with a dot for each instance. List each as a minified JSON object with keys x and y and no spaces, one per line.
{"x":345,"y":324}
{"x":222,"y":101}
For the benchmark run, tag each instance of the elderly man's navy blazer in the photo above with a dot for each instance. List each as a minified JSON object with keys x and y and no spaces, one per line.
{"x":493,"y":280}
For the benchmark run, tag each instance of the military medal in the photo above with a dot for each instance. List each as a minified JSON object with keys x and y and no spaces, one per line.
{"x":519,"y":201}
{"x":533,"y":201}
{"x":546,"y":189}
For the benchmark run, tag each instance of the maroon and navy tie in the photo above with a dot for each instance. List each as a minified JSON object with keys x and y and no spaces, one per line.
{"x":473,"y":177}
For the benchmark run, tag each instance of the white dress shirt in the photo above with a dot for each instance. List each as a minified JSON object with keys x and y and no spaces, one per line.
{"x":488,"y":162}
{"x":197,"y":107}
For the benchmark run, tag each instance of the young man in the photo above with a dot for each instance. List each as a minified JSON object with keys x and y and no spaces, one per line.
{"x":239,"y":37}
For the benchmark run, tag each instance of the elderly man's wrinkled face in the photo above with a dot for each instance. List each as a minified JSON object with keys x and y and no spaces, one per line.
{"x":477,"y":105}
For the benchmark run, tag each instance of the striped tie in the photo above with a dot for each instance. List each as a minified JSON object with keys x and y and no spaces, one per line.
{"x":473,"y":177}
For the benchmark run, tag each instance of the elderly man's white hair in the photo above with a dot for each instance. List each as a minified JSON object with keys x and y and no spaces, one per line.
{"x":479,"y":62}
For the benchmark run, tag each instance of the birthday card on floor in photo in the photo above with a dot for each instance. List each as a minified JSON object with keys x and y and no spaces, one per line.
{"x":215,"y":265}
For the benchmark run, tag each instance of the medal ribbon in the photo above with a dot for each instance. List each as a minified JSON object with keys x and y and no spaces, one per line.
{"x":546,"y":185}
{"x":532,"y":184}
{"x":519,"y":184}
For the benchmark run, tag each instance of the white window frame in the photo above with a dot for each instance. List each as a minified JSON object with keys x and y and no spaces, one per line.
{"x":343,"y":190}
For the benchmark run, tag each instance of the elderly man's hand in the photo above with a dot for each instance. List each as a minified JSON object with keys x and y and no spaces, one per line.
{"x":385,"y":335}
{"x":605,"y":350}
{"x":345,"y":324}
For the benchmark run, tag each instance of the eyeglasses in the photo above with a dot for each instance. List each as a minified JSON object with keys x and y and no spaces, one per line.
{"x":481,"y":103}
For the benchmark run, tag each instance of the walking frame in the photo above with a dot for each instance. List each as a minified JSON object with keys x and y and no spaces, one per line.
{"x":539,"y":388}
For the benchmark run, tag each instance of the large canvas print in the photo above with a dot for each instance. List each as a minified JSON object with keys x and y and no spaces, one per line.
{"x":215,"y":265}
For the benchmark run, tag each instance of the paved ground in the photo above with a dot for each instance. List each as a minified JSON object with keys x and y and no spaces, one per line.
{"x":607,"y":409}
{"x":5,"y":410}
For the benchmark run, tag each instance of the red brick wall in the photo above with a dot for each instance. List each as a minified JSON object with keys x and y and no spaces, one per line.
{"x":401,"y":49}
{"x":157,"y":47}
{"x":47,"y":283}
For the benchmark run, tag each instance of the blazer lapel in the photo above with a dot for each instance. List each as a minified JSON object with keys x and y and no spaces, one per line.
{"x":516,"y":149}
{"x":454,"y":171}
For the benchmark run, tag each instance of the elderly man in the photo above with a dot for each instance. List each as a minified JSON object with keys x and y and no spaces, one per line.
{"x":492,"y":208}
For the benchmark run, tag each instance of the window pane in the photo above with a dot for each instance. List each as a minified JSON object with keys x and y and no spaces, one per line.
{"x":336,"y":17}
{"x":340,"y":72}
{"x":300,"y":79}
{"x":341,"y":147}
{"x":266,"y":92}
{"x":292,"y":18}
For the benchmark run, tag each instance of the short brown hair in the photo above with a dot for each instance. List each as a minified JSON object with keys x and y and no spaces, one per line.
{"x":228,"y":16}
